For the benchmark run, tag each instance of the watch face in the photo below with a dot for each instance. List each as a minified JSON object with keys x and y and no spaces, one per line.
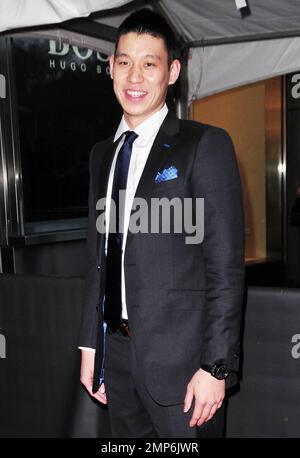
{"x":220,"y":371}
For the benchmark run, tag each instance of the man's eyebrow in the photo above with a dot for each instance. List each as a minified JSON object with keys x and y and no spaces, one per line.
{"x":147,"y":56}
{"x":153,"y":56}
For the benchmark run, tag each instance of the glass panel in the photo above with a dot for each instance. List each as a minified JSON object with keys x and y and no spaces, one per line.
{"x":65,"y":105}
{"x":252,"y":116}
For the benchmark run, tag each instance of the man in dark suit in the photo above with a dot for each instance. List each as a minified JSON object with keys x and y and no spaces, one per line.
{"x":161,"y":321}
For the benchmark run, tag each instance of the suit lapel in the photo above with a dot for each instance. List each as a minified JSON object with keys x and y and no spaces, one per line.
{"x":160,"y":153}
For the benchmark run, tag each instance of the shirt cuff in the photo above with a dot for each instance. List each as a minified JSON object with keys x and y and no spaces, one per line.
{"x":92,"y":350}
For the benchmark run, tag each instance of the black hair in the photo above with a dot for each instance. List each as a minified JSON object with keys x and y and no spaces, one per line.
{"x":153,"y":23}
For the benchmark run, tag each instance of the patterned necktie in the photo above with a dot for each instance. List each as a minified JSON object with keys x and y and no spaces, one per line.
{"x":113,"y":292}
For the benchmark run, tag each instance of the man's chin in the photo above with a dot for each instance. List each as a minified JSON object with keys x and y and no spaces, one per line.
{"x":134,"y":108}
{"x":137,"y":112}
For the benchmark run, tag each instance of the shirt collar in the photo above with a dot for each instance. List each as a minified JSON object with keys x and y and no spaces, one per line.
{"x":147,"y":129}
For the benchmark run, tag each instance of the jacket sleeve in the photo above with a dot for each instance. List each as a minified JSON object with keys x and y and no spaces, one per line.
{"x":90,"y":314}
{"x":216,"y":178}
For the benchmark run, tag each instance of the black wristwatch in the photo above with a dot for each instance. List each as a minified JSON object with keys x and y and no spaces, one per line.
{"x":220,"y":371}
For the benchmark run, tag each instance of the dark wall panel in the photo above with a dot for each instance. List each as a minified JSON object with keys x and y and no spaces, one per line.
{"x":267,"y":404}
{"x":41,"y":395}
{"x":62,"y":259}
{"x":39,"y":382}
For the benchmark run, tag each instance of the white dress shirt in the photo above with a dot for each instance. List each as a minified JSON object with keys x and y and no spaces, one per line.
{"x":141,"y":147}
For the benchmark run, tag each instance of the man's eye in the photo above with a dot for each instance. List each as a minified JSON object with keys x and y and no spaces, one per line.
{"x":150,"y":64}
{"x":123,"y":62}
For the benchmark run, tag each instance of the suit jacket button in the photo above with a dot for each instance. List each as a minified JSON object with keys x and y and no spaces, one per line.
{"x":98,"y":267}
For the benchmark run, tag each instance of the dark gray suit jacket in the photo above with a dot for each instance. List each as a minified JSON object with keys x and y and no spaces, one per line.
{"x":183,"y":300}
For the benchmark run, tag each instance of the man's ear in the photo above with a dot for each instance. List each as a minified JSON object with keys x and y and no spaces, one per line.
{"x":111,"y":65}
{"x":174,"y":71}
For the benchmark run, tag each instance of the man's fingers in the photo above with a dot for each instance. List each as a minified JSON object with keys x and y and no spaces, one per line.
{"x":204,"y":415}
{"x":214,"y":409}
{"x":198,"y":409}
{"x":212,"y":413}
{"x":100,"y":397}
{"x":188,"y":400}
{"x":102,"y":388}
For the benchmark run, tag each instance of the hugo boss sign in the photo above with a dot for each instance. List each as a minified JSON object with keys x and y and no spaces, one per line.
{"x":66,"y":56}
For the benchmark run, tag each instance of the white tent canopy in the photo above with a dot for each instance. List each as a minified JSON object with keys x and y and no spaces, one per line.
{"x":27,"y":13}
{"x":227,"y":49}
{"x":216,"y":68}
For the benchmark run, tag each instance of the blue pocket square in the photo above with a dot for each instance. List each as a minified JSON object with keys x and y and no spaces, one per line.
{"x":166,"y":174}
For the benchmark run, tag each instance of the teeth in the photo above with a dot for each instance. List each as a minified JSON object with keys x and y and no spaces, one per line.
{"x":136,"y":93}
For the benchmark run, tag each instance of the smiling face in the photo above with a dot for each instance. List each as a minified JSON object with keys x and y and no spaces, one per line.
{"x":141,"y":75}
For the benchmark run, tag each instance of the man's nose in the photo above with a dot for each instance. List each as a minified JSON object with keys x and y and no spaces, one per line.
{"x":135,"y":75}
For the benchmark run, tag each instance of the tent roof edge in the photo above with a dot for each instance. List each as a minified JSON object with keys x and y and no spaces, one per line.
{"x":239,"y":39}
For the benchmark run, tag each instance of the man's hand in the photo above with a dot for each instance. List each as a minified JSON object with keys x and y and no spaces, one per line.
{"x":86,"y":376}
{"x":208,"y":393}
